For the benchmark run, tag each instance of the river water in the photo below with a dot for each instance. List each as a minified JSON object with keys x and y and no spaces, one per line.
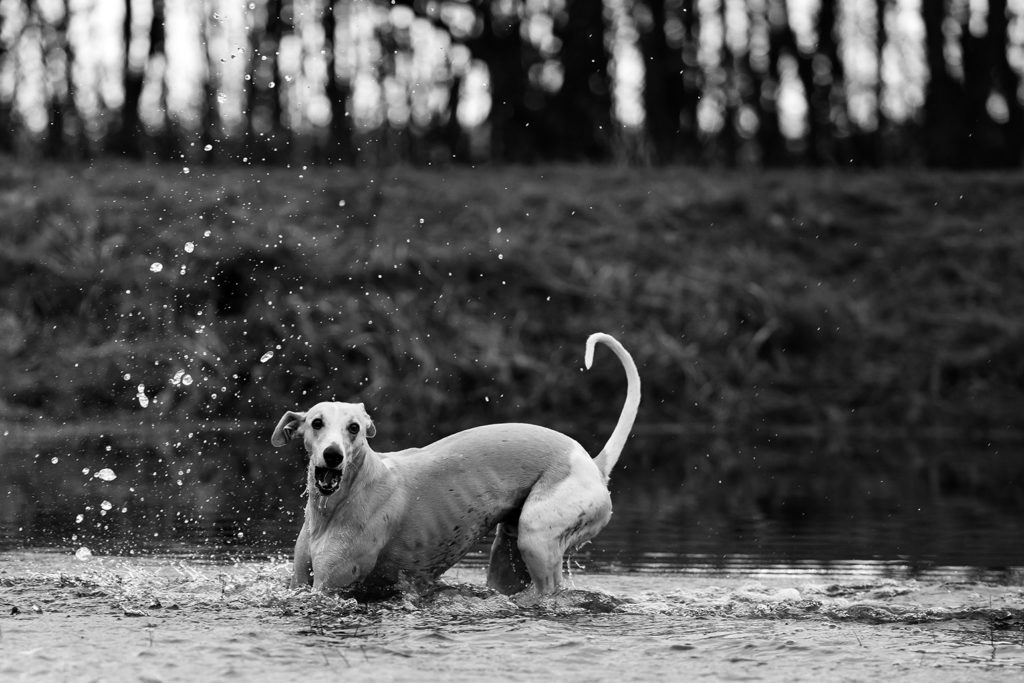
{"x":167,"y":558}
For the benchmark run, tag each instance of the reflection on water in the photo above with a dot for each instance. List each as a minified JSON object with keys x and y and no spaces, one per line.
{"x":893,"y":509}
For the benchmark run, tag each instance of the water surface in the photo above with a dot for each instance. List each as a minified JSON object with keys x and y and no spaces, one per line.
{"x":160,"y":619}
{"x":776,"y":563}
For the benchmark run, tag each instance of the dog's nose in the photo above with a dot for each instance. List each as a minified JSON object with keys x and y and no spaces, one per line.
{"x":332,"y":456}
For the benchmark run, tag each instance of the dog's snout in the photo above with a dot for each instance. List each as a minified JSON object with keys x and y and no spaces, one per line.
{"x":332,"y":456}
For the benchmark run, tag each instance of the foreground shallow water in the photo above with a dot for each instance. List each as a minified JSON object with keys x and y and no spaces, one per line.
{"x":793,"y":562}
{"x":162,"y":619}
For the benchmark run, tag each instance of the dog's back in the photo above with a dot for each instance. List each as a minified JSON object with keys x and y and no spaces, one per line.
{"x":457,"y":489}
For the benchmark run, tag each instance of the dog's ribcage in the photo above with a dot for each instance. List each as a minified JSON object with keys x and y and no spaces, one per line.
{"x":459,"y":488}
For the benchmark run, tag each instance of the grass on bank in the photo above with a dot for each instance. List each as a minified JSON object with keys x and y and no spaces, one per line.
{"x":754,"y":303}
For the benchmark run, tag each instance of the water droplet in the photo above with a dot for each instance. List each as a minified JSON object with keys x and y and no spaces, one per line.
{"x":143,"y":400}
{"x":106,"y":505}
{"x":186,"y":170}
{"x":156,"y":267}
{"x":79,"y":518}
{"x":190,"y":247}
{"x":267,"y":356}
{"x":106,"y":474}
{"x":83,"y":554}
{"x":54,"y":460}
{"x":341,"y":202}
{"x":127,"y":376}
{"x":207,"y":148}
{"x":187,"y":380}
{"x":85,"y":470}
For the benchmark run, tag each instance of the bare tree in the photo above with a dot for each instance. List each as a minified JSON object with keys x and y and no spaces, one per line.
{"x":584,"y":102}
{"x":61,"y":137}
{"x":943,"y":112}
{"x":127,"y":138}
{"x":6,"y":120}
{"x":340,"y":147}
{"x":672,"y":78}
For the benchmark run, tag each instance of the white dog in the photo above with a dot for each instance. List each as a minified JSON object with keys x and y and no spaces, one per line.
{"x":375,"y":520}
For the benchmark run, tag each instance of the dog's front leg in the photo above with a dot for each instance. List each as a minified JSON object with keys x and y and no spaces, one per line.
{"x":344,"y":559}
{"x":302,"y":567}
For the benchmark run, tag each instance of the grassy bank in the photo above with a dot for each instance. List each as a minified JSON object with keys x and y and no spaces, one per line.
{"x":824,"y":302}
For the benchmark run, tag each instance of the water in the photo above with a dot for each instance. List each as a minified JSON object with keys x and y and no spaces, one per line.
{"x":789,"y":562}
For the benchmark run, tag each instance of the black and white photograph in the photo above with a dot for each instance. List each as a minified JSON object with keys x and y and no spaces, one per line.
{"x":511,"y":340}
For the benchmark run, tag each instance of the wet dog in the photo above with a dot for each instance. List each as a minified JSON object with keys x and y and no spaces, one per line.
{"x":379,"y":520}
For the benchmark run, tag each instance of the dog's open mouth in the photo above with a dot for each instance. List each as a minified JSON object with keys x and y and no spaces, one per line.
{"x":327,"y":480}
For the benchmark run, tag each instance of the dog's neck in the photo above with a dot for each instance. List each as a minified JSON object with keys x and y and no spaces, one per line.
{"x":357,"y":485}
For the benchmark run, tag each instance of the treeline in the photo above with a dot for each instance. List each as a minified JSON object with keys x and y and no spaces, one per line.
{"x":725,"y":82}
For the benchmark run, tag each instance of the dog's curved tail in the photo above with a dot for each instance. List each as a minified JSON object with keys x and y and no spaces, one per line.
{"x":608,"y":456}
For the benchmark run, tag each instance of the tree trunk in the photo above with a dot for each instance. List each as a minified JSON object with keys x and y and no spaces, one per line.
{"x":6,"y":121}
{"x":340,"y":146}
{"x":210,"y":130}
{"x":878,"y":137}
{"x":662,"y":102}
{"x":167,"y":141}
{"x":829,"y":101}
{"x":500,"y":46}
{"x":943,"y":111}
{"x":766,"y":92}
{"x":61,"y":105}
{"x":128,"y":137}
{"x":583,"y":104}
{"x":266,"y":136}
{"x":1004,"y":80}
{"x":277,"y":24}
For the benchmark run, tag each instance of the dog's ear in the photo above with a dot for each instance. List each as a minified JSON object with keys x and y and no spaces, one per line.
{"x":371,"y":431}
{"x":286,"y":427}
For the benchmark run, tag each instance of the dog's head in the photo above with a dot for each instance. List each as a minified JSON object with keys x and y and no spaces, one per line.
{"x":334,"y":435}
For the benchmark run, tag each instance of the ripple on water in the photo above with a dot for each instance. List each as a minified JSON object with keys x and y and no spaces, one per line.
{"x":178,"y":619}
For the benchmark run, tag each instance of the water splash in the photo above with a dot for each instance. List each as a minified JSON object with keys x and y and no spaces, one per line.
{"x":710,"y":627}
{"x":105,"y":474}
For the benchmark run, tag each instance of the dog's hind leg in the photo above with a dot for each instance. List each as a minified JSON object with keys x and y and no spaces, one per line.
{"x":560,"y":516}
{"x":507,"y":572}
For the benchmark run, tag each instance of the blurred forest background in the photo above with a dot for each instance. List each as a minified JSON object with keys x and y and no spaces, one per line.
{"x":727,"y":82}
{"x":405,"y":202}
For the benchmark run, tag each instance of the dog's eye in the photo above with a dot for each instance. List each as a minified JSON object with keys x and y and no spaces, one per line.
{"x":317,"y":423}
{"x":353,"y":429}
